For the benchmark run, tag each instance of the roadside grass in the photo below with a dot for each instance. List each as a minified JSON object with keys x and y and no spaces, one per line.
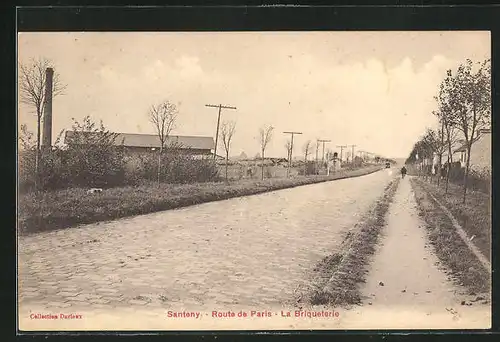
{"x":337,"y":277}
{"x":474,"y":216}
{"x":463,"y":265}
{"x":66,"y":208}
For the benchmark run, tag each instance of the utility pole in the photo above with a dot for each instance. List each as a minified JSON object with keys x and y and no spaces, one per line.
{"x":323,"y":141}
{"x":220,"y":106}
{"x":291,"y":150}
{"x":352,"y":153}
{"x":341,"y":150}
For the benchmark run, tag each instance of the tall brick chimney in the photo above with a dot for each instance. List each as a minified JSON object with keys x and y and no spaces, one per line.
{"x":47,"y":113}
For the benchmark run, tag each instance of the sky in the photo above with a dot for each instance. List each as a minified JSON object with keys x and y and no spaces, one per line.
{"x":370,"y":89}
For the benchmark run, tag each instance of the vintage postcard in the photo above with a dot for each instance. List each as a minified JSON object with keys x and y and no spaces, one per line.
{"x":254,"y":180}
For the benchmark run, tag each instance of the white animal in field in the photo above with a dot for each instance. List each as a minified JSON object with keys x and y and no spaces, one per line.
{"x":94,"y":191}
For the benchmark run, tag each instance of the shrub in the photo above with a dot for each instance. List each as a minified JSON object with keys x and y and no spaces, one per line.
{"x":26,"y":170}
{"x":92,"y":158}
{"x":176,"y":167}
{"x":309,"y":169}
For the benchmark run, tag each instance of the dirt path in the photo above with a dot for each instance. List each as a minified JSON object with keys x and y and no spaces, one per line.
{"x":407,"y":287}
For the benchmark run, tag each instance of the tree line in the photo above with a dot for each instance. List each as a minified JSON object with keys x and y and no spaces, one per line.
{"x":92,"y":156}
{"x":463,"y":103}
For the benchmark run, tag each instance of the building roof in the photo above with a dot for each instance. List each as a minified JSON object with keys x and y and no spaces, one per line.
{"x":152,"y":140}
{"x":269,"y":159}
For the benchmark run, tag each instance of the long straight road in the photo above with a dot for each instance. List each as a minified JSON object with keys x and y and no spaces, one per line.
{"x":248,"y":251}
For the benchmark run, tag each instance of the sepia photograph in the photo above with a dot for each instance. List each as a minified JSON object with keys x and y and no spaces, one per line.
{"x":264,"y":180}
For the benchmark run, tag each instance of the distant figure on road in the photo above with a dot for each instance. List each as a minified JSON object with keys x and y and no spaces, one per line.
{"x":403,"y":172}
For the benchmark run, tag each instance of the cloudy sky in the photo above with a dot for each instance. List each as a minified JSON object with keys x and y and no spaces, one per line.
{"x":371,"y":89}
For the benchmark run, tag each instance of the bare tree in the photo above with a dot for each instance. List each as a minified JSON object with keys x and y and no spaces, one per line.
{"x":32,"y":77}
{"x":226,"y":134}
{"x":163,"y":117}
{"x":265,"y":136}
{"x":470,"y":100}
{"x":307,"y":149}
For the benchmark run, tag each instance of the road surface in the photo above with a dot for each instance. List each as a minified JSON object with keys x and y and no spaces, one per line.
{"x":251,"y":251}
{"x":248,"y":253}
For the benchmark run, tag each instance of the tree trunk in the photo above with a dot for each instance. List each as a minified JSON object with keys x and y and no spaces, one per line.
{"x":262,"y":164}
{"x":289,"y":163}
{"x":38,"y":152}
{"x":441,"y":150}
{"x":227,"y":162}
{"x":159,"y":165}
{"x":447,"y":175}
{"x":450,"y":160}
{"x":466,"y":174}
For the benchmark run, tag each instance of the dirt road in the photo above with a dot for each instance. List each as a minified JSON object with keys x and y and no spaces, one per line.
{"x":407,"y":287}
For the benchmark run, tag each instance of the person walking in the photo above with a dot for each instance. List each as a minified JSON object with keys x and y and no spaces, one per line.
{"x":403,"y":172}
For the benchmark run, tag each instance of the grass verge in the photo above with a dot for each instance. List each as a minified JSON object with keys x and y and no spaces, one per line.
{"x":337,"y":277}
{"x":70,"y":207}
{"x":464,"y":267}
{"x":474,"y":215}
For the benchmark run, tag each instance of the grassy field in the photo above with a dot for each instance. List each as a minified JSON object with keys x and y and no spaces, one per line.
{"x":70,"y":207}
{"x":474,"y":216}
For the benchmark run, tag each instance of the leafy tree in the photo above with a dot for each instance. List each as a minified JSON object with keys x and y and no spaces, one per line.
{"x":94,"y":156}
{"x":469,"y":98}
{"x":444,"y":114}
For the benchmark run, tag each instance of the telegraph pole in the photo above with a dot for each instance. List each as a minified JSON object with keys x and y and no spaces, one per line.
{"x":352,"y":153}
{"x":323,"y":141}
{"x":342,"y":150}
{"x":220,"y":106}
{"x":291,"y":150}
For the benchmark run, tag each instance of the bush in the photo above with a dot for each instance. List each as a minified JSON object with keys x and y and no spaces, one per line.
{"x":479,"y":179}
{"x":309,"y":169}
{"x":182,"y":168}
{"x":26,"y":170}
{"x":93,"y":158}
{"x":176,"y":168}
